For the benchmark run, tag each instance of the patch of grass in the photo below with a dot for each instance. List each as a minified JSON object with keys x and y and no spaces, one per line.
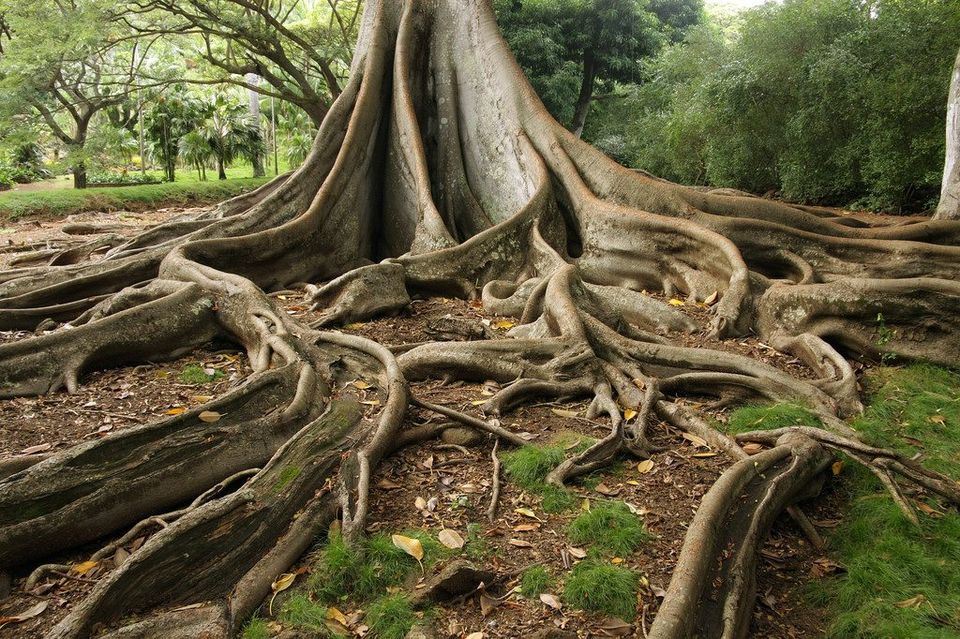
{"x":887,"y":559}
{"x":256,"y":628}
{"x":303,"y":613}
{"x":195,"y":374}
{"x":391,"y":617}
{"x":341,"y":572}
{"x":535,"y":581}
{"x":609,"y":528}
{"x":528,"y":466}
{"x":287,"y":475}
{"x":16,"y":205}
{"x":477,"y":547}
{"x":602,"y":587}
{"x":770,"y":417}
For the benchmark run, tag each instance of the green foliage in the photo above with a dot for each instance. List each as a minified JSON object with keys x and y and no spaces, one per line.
{"x":602,"y":587}
{"x":363,"y":573}
{"x":528,"y":466}
{"x":256,"y":628}
{"x":770,"y":417}
{"x":887,"y":559}
{"x":196,"y":374}
{"x":609,"y":528}
{"x":390,"y":617}
{"x":477,"y":547}
{"x":825,"y":101}
{"x":301,"y":612}
{"x":534,"y":581}
{"x":62,"y":202}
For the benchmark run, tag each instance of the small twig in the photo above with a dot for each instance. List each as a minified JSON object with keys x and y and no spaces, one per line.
{"x":456,"y":447}
{"x":495,"y":494}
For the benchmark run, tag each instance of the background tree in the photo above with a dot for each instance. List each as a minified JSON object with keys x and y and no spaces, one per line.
{"x":174,"y":113}
{"x":231,"y":133}
{"x":949,"y":205}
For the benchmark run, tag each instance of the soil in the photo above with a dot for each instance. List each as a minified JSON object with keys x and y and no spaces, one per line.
{"x":460,"y":479}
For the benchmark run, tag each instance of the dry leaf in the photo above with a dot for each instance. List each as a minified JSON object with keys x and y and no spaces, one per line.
{"x":335,"y":615}
{"x":360,"y":384}
{"x":29,"y":613}
{"x":420,"y":503}
{"x":503,"y":324}
{"x":475,"y":635}
{"x":176,"y":410}
{"x":210,"y":416}
{"x":527,"y":512}
{"x":837,"y":467}
{"x":283,"y":582}
{"x":676,"y":302}
{"x":519,"y":543}
{"x":752,"y":448}
{"x":450,"y":538}
{"x":614,"y":627}
{"x":645,"y":466}
{"x":928,"y":510}
{"x":84,"y":568}
{"x":526,"y":527}
{"x":711,"y":298}
{"x":577,"y":553}
{"x":39,"y":448}
{"x":201,"y":399}
{"x":940,"y":420}
{"x":353,"y":326}
{"x":409,"y":545}
{"x":616,"y":561}
{"x":912,"y":602}
{"x":695,"y":440}
{"x":629,"y":414}
{"x":551,"y":601}
{"x":487,"y":604}
{"x":371,"y":402}
{"x":386,"y":484}
{"x":562,"y":412}
{"x":603,"y":489}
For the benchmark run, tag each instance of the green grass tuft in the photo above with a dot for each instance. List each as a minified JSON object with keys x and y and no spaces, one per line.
{"x":195,"y":374}
{"x":535,"y":581}
{"x":887,"y":559}
{"x":477,"y":547}
{"x":256,"y":628}
{"x":391,"y":617}
{"x":609,"y":528}
{"x":602,"y":587}
{"x":756,"y":417}
{"x":529,"y":466}
{"x":301,"y":612}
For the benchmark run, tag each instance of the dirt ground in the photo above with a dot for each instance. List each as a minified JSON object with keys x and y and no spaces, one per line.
{"x":460,"y":478}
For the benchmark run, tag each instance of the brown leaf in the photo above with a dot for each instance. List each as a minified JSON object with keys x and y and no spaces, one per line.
{"x":836,"y":467}
{"x":614,"y":627}
{"x":39,"y":448}
{"x":645,"y":466}
{"x":577,"y":553}
{"x":409,"y":545}
{"x":752,"y":448}
{"x":926,"y":508}
{"x":695,"y":440}
{"x":913,"y":602}
{"x":519,"y":543}
{"x":29,"y":613}
{"x":450,"y":539}
{"x":561,"y":412}
{"x":210,"y":416}
{"x":551,"y":601}
{"x":386,"y":484}
{"x":526,"y":527}
{"x":603,"y":489}
{"x":704,"y":454}
{"x":711,"y":298}
{"x":487,"y":604}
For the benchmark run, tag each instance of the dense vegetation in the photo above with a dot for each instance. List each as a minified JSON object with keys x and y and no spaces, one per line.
{"x":823,"y":101}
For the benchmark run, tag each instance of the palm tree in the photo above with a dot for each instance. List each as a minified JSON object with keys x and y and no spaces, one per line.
{"x":196,"y":151}
{"x":231,"y":133}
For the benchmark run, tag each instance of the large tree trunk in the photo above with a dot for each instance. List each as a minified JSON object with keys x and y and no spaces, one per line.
{"x":438,"y":171}
{"x":949,"y":207}
{"x":254,"y":109}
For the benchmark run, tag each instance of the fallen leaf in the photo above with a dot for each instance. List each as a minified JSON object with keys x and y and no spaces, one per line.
{"x":84,"y":568}
{"x":752,"y":448}
{"x":503,"y":324}
{"x":616,"y":561}
{"x":629,"y":414}
{"x":39,"y":448}
{"x":210,"y":416}
{"x":577,"y":553}
{"x":475,"y":635}
{"x":409,"y":545}
{"x":526,"y":527}
{"x":450,"y":538}
{"x":201,"y":399}
{"x":371,"y":402}
{"x":176,"y":410}
{"x":603,"y":489}
{"x":614,"y":627}
{"x":933,"y":512}
{"x":562,"y":412}
{"x":695,"y":440}
{"x":487,"y":604}
{"x":704,"y":454}
{"x":353,"y":326}
{"x":836,"y":467}
{"x":335,"y":615}
{"x":940,"y":420}
{"x":913,"y":602}
{"x":360,"y":384}
{"x":519,"y":543}
{"x":29,"y":613}
{"x":551,"y":601}
{"x":283,"y":582}
{"x":386,"y":484}
{"x":420,"y":503}
{"x":526,"y":512}
{"x":645,"y":466}
{"x":711,"y":298}
{"x":676,"y":302}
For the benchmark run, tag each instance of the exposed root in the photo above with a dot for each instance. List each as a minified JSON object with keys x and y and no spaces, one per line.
{"x":494,"y":483}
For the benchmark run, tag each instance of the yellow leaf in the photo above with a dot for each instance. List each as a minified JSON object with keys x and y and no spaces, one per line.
{"x":837,"y":467}
{"x":210,"y":416}
{"x":283,"y":582}
{"x":371,"y":402}
{"x":335,"y":615}
{"x":705,"y":454}
{"x":629,"y":414}
{"x":526,"y":512}
{"x":450,"y":538}
{"x":616,"y":561}
{"x":585,"y":505}
{"x":85,"y":567}
{"x":645,"y":466}
{"x":695,"y":440}
{"x":676,"y":302}
{"x":409,"y":545}
{"x":360,"y":384}
{"x":633,"y":482}
{"x":503,"y":324}
{"x":478,"y":402}
{"x":353,"y":326}
{"x":912,"y":602}
{"x":176,"y":410}
{"x":201,"y":399}
{"x":937,"y":419}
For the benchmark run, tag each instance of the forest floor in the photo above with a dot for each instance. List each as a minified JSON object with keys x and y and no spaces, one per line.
{"x":555,"y":564}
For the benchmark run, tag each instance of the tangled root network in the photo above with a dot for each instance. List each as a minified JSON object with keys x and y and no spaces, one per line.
{"x":438,"y":172}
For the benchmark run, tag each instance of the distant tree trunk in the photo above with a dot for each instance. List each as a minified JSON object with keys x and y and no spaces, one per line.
{"x":79,"y":176}
{"x":221,"y":168}
{"x":949,"y":208}
{"x":254,"y":108}
{"x":582,"y":107}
